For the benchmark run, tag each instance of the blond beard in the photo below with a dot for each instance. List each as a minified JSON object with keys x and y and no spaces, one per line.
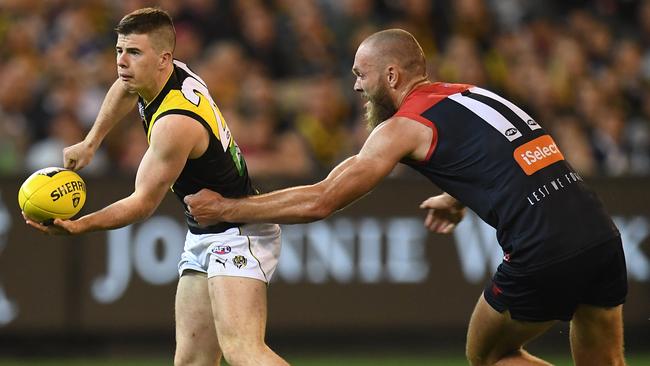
{"x":378,"y":110}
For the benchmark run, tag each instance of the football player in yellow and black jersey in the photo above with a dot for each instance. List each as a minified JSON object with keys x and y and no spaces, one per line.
{"x":225,"y":267}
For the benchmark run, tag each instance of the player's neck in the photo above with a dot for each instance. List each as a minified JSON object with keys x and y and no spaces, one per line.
{"x":408,"y":88}
{"x":150,"y":93}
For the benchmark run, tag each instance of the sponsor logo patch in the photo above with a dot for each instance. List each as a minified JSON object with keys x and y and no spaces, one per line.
{"x":537,"y":154}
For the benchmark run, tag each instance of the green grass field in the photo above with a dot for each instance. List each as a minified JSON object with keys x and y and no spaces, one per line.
{"x":313,"y":360}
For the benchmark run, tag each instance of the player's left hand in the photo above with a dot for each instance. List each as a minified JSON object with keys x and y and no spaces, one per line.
{"x":58,"y":227}
{"x":206,"y":206}
{"x":444,"y":213}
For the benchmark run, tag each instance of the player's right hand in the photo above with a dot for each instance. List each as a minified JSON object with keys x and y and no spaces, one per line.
{"x":57,"y":227}
{"x":77,"y":156}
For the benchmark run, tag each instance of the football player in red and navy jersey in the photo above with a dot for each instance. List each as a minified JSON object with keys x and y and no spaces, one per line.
{"x":563,"y":257}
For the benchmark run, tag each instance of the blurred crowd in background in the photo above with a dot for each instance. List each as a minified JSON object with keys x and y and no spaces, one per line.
{"x":280,"y":72}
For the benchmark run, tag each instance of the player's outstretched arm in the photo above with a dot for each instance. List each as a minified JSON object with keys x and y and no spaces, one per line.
{"x":160,"y":167}
{"x":350,"y":180}
{"x":291,"y":205}
{"x":444,"y":213}
{"x":117,"y":104}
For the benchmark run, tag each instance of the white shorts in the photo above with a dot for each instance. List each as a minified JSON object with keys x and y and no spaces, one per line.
{"x":251,"y":250}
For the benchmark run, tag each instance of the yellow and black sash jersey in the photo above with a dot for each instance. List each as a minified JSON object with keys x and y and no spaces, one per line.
{"x":222,"y":167}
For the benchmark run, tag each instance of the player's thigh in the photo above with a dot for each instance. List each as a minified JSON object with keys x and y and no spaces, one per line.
{"x":493,"y":335}
{"x":239,"y":269}
{"x":597,"y":335}
{"x":239,"y":307}
{"x":597,"y":325}
{"x":195,"y":332}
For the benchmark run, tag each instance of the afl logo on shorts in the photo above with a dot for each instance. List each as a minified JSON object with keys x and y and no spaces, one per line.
{"x":221,"y":249}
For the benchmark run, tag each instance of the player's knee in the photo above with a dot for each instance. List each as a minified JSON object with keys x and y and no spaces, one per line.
{"x":192,"y":357}
{"x":600,"y":357}
{"x":238,"y":350}
{"x":473,"y":361}
{"x":490,"y":358}
{"x":476,"y":358}
{"x":477,"y":361}
{"x":185,"y":359}
{"x":240,"y":357}
{"x":199,"y":349}
{"x":616,"y":360}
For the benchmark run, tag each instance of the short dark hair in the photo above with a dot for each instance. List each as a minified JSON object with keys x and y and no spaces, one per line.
{"x":150,"y":21}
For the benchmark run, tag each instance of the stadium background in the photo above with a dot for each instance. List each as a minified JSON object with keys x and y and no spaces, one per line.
{"x":368,"y":281}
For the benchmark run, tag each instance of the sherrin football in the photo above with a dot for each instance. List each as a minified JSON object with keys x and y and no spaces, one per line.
{"x":52,"y":193}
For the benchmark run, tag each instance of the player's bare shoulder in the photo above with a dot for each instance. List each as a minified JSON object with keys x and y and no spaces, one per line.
{"x":168,"y":128}
{"x":411,"y":137}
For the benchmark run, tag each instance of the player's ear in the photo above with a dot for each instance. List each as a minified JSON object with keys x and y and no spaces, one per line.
{"x":165,"y":59}
{"x":392,"y":76}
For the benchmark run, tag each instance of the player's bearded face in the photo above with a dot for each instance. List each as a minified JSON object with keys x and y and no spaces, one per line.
{"x":379,"y":106}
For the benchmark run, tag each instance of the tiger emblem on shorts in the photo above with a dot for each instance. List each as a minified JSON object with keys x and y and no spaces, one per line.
{"x":240,"y":261}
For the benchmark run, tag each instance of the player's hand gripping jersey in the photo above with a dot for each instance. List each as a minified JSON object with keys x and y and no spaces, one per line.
{"x":497,"y":160}
{"x":222,"y":167}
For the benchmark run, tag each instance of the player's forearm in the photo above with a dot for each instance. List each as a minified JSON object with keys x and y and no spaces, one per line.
{"x":288,"y":206}
{"x":117,"y":104}
{"x":302,"y":204}
{"x":119,"y":214}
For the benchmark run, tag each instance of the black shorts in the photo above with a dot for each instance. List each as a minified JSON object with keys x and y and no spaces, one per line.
{"x":597,"y":276}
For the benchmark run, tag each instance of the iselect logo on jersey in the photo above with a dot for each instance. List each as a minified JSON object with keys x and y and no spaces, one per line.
{"x":537,"y":154}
